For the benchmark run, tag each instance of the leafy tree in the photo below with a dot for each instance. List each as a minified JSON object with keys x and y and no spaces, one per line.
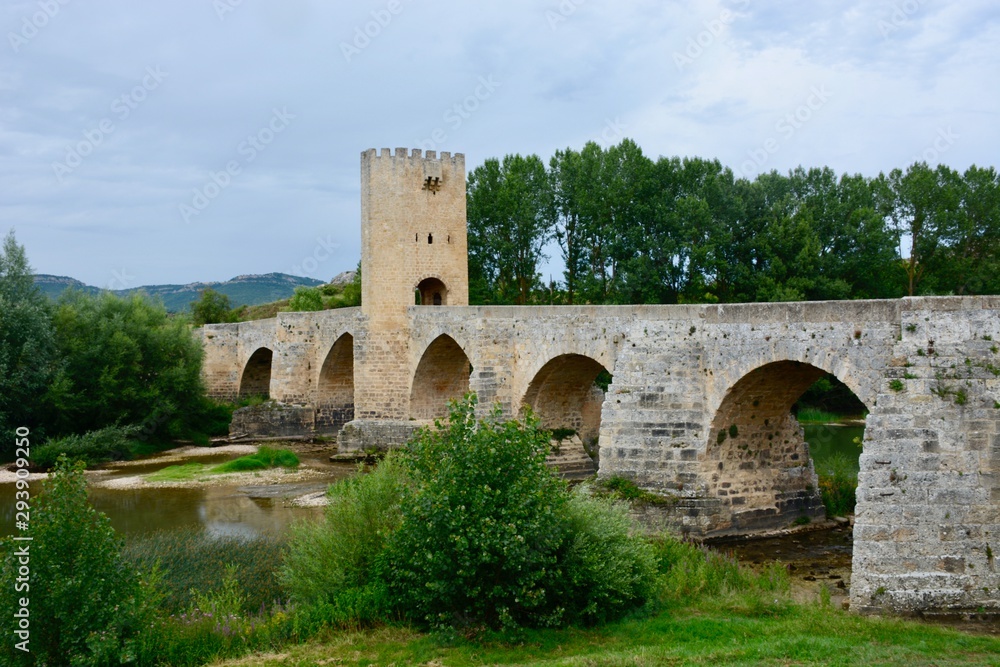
{"x":971,"y":234}
{"x":212,"y":308}
{"x":920,"y":198}
{"x":567,"y":189}
{"x":634,"y":231}
{"x":87,"y":604}
{"x":510,"y":218}
{"x":124,"y":362}
{"x":27,"y":351}
{"x":306,"y":299}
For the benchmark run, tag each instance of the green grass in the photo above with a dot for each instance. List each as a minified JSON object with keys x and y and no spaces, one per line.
{"x":704,"y":634}
{"x":816,"y":416}
{"x":710,"y":611}
{"x":265,"y":458}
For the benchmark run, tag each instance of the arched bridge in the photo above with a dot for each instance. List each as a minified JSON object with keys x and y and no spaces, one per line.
{"x":694,"y":402}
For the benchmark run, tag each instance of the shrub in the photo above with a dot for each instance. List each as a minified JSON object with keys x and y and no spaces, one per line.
{"x":195,"y":563}
{"x":88,"y":603}
{"x":306,"y":299}
{"x":113,"y":443}
{"x":215,"y":626}
{"x":690,"y":573}
{"x":329,"y":563}
{"x":477,"y":543}
{"x":606,"y":570}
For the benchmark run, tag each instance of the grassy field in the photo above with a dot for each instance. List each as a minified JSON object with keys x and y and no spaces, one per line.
{"x":263,"y":459}
{"x":715,"y":634}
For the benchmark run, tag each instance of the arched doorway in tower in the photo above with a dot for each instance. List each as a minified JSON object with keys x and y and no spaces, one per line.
{"x":256,"y":377}
{"x":442,"y":375}
{"x":760,"y":465}
{"x":335,"y":388}
{"x":567,"y":395}
{"x":431,"y":292}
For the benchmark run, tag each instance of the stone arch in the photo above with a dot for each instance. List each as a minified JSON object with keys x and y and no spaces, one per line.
{"x":757,"y":461}
{"x":335,"y":386}
{"x":432,"y":292}
{"x":563,"y":395}
{"x":256,"y":377}
{"x":442,"y":375}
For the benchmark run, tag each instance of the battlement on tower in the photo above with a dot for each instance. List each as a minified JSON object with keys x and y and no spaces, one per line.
{"x":457,"y":159}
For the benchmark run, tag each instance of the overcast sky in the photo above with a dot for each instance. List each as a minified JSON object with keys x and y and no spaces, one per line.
{"x":192,"y":140}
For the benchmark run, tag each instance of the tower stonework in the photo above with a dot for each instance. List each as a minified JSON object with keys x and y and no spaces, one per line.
{"x":413,"y":233}
{"x":413,"y":251}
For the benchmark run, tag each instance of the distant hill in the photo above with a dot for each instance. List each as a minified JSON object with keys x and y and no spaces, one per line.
{"x":248,"y":290}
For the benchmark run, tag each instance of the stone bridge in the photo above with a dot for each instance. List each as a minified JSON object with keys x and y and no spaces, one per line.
{"x":699,"y":401}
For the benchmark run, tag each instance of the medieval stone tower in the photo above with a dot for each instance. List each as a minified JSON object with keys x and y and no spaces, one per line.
{"x":413,"y":234}
{"x":413,"y":252}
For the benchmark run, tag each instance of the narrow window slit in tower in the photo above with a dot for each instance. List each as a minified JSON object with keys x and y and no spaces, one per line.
{"x":430,"y":239}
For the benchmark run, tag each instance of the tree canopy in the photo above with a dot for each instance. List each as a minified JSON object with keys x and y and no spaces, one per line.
{"x":687,"y":230}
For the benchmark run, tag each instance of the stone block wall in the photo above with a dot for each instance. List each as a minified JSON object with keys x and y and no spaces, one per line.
{"x":928,"y":515}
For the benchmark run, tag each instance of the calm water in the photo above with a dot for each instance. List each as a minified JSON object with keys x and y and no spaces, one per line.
{"x":244,"y":510}
{"x":219,"y":510}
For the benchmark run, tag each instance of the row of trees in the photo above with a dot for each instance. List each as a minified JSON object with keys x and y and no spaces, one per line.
{"x":89,"y":362}
{"x":635,"y":230}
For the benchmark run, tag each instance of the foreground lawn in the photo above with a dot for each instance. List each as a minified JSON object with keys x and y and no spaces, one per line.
{"x":707,"y":635}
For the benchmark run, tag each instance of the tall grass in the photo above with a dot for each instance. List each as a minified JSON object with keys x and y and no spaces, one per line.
{"x":690,"y":574}
{"x":194,"y":563}
{"x":838,"y":484}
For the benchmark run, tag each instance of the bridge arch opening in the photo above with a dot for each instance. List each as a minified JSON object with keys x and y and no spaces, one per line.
{"x":335,"y":388}
{"x":761,"y":466}
{"x":441,"y":376}
{"x":567,"y":394}
{"x":256,"y":377}
{"x":431,"y":292}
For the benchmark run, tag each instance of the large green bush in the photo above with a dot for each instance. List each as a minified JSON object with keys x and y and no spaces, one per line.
{"x":87,"y":604}
{"x":482,"y":527}
{"x":329,"y":563}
